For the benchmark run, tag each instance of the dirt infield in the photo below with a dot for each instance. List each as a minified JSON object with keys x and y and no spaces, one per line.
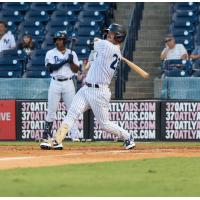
{"x":31,"y":155}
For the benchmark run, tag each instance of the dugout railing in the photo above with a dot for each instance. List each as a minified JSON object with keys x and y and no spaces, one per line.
{"x":129,"y":47}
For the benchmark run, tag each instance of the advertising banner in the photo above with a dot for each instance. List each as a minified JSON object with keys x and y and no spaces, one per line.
{"x":140,"y":118}
{"x":31,"y":119}
{"x":7,"y":120}
{"x":180,"y":121}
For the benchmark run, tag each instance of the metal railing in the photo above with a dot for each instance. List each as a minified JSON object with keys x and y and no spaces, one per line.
{"x":129,"y":47}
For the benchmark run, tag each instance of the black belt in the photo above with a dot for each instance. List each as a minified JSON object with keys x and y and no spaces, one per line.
{"x":65,"y":79}
{"x":92,"y":85}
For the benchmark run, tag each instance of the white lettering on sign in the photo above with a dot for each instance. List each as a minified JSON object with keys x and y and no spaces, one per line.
{"x":5,"y":116}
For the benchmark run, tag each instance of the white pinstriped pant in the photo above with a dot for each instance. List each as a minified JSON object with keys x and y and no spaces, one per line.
{"x":98,"y":100}
{"x":58,"y":89}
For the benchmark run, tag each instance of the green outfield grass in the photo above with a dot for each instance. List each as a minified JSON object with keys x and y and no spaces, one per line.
{"x":148,"y":177}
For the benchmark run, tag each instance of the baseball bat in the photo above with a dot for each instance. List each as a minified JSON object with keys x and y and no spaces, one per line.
{"x":135,"y":68}
{"x":72,"y":43}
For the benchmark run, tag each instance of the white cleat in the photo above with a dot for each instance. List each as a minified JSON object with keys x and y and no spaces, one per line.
{"x":51,"y":144}
{"x":129,"y":144}
{"x":45,"y":145}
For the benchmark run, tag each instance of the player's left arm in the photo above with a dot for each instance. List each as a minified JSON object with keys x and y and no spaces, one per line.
{"x":74,"y":63}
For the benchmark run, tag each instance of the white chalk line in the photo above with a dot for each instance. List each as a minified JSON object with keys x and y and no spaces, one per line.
{"x":76,"y":154}
{"x":63,"y":155}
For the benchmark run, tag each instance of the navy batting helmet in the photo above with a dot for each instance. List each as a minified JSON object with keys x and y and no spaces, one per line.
{"x":60,"y":35}
{"x":119,"y":30}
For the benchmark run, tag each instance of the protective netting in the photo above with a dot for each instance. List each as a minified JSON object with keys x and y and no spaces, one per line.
{"x":24,"y":88}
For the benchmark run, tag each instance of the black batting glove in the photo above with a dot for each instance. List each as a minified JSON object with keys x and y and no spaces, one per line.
{"x":70,"y":59}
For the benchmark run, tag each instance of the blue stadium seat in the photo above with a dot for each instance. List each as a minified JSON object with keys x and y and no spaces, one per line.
{"x":36,"y":68}
{"x":96,"y":6}
{"x":82,"y":51}
{"x":13,"y":16}
{"x":48,"y":7}
{"x":83,"y":40}
{"x":36,"y":64}
{"x":180,"y":24}
{"x":38,"y":53}
{"x":32,"y":27}
{"x":34,"y":15}
{"x":54,"y":26}
{"x":190,"y":29}
{"x":86,"y":31}
{"x":12,"y":27}
{"x":177,"y":68}
{"x":10,"y":68}
{"x":48,"y":44}
{"x":191,"y":19}
{"x":185,"y":6}
{"x":14,"y":54}
{"x":181,"y":32}
{"x":36,"y":74}
{"x":75,"y":7}
{"x":186,"y":13}
{"x":20,"y":6}
{"x":60,"y":15}
{"x":90,"y":15}
{"x":188,"y":42}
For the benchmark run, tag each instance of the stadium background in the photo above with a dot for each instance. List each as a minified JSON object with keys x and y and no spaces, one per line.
{"x":152,"y":110}
{"x":24,"y":78}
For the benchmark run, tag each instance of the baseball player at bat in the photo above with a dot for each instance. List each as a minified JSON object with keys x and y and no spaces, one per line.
{"x":62,"y":64}
{"x":95,"y":94}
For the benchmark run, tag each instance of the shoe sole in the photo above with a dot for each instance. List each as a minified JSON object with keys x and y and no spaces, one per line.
{"x":130,"y":147}
{"x":43,"y":147}
{"x":58,"y":148}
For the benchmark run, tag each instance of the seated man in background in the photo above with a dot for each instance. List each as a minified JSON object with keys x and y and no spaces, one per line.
{"x":195,"y":57}
{"x":173,"y":50}
{"x":7,"y":40}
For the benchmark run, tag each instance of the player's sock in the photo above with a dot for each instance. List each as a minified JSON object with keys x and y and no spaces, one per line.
{"x":47,"y":131}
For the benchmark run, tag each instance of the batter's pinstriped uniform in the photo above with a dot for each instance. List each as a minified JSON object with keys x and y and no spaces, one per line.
{"x":98,"y":96}
{"x":60,"y":89}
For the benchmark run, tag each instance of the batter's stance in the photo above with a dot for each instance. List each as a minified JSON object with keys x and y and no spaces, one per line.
{"x":96,"y":93}
{"x":62,"y":64}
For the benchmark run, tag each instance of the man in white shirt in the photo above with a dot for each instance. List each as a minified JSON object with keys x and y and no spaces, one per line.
{"x":173,"y":50}
{"x":7,"y":40}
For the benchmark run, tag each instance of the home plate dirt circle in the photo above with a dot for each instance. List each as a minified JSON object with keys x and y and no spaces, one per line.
{"x":32,"y":156}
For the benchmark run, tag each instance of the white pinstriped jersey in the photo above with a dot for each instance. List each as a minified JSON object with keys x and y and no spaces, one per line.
{"x":54,"y":56}
{"x":7,"y":41}
{"x":103,"y":67}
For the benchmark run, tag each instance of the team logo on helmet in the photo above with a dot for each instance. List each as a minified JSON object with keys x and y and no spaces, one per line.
{"x":61,"y":35}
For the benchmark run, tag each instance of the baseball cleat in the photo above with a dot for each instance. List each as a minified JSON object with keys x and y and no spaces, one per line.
{"x":48,"y":145}
{"x":129,"y":144}
{"x":57,"y":146}
{"x":45,"y":145}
